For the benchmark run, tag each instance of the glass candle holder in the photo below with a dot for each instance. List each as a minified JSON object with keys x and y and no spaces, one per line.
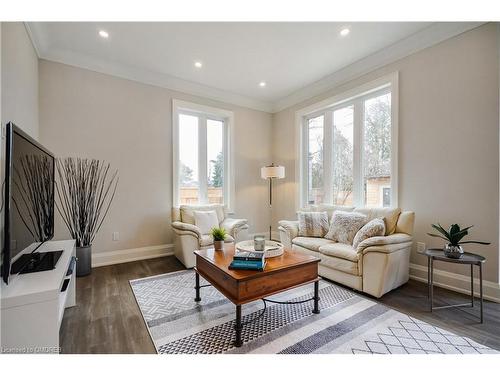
{"x":259,"y":242}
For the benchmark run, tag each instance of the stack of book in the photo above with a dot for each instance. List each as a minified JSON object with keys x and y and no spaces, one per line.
{"x":246,"y":260}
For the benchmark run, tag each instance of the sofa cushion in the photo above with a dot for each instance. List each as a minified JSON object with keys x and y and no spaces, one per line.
{"x":390,"y":216}
{"x":313,"y":224}
{"x":339,"y":264}
{"x":187,"y":212}
{"x":205,"y":221}
{"x":375,"y":227}
{"x":340,"y":250}
{"x":345,"y":225}
{"x":311,"y":243}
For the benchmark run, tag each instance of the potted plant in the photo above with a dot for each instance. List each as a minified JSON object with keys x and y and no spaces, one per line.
{"x":454,"y":236}
{"x":219,"y":235}
{"x":85,"y":191}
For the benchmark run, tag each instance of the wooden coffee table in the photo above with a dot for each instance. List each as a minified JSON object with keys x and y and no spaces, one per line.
{"x":287,"y":271}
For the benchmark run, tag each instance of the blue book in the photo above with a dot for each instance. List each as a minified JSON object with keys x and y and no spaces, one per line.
{"x":247,"y":265}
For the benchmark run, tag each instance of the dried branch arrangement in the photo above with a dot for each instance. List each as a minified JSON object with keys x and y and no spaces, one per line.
{"x":33,"y":195}
{"x":85,"y":191}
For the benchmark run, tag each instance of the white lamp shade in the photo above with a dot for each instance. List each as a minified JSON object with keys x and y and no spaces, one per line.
{"x":272,"y":171}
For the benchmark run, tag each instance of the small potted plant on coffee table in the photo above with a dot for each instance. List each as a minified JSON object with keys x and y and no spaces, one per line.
{"x":219,"y":235}
{"x":454,"y":236}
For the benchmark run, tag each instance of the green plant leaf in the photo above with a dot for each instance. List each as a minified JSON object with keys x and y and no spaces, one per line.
{"x":441,"y":230}
{"x":438,"y":236}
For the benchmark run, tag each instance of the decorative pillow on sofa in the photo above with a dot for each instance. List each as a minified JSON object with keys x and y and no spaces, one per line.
{"x":345,"y":225}
{"x":206,"y":220}
{"x":375,"y":227}
{"x":312,"y":224}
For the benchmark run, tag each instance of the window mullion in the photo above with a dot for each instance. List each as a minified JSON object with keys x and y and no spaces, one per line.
{"x":328,"y":156}
{"x":358,"y":152}
{"x":202,"y":160}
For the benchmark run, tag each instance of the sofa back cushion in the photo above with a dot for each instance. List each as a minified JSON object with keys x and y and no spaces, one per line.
{"x":390,"y":215}
{"x":313,"y":224}
{"x":206,"y":220}
{"x":328,"y":208}
{"x":345,"y":225}
{"x":187,"y":212}
{"x":405,"y":222}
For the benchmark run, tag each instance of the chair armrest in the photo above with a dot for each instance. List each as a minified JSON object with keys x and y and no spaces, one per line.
{"x":232,"y":226}
{"x":184,"y":228}
{"x":385,"y":244}
{"x":288,"y":231}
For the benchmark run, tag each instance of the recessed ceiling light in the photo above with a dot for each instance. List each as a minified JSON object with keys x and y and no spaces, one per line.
{"x":344,"y":32}
{"x":198,"y":64}
{"x":103,"y":34}
{"x":262,"y":84}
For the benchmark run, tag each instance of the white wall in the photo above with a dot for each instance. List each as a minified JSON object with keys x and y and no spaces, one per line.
{"x":448,"y":141}
{"x":93,"y":115}
{"x":19,"y":78}
{"x":18,"y":86}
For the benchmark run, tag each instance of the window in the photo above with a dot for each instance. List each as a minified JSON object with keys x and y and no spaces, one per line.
{"x":202,"y":158}
{"x":347,"y":149}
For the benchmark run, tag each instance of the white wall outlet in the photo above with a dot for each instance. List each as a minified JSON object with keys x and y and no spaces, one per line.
{"x":420,"y":247}
{"x":116,"y":236}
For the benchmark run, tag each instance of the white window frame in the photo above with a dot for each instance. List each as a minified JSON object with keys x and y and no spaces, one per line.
{"x":388,"y":83}
{"x":204,"y":113}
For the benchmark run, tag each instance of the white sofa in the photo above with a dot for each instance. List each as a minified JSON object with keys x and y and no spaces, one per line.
{"x":376,"y":266}
{"x":188,"y":238}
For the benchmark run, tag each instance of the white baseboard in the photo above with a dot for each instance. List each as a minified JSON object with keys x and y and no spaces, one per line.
{"x":456,"y":282}
{"x":129,"y":255}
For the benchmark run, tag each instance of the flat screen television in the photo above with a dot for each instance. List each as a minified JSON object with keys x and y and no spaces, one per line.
{"x":29,"y":204}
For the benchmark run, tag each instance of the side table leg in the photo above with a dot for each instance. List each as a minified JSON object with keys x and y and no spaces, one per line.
{"x":238,"y":327}
{"x":481,"y":288}
{"x":431,"y":291}
{"x":197,"y":287}
{"x":472,"y":285}
{"x":428,"y":277}
{"x":316,"y":297}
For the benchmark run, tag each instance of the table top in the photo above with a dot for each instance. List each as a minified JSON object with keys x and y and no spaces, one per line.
{"x":223,"y":258}
{"x":467,"y":258}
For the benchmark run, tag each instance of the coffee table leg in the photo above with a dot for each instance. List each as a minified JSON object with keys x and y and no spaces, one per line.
{"x":238,"y":327}
{"x":197,"y":287}
{"x":431,"y":290}
{"x":316,"y":297}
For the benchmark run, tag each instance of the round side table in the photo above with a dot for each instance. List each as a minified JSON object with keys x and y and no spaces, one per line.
{"x":467,"y":258}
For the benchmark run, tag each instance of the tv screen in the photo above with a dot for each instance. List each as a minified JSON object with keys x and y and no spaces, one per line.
{"x":29,"y":198}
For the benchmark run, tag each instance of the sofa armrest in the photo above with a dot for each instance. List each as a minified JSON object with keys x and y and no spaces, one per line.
{"x":288,"y":231}
{"x":385,"y":244}
{"x":183,"y":228}
{"x":233,"y":226}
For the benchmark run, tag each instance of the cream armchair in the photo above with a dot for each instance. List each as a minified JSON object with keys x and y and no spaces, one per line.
{"x":376,"y":266}
{"x":188,"y":238}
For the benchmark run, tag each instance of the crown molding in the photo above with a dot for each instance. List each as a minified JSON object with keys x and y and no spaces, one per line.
{"x":428,"y":37}
{"x":425,"y":38}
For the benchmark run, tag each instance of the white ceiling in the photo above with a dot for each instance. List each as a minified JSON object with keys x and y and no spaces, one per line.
{"x":235,"y":56}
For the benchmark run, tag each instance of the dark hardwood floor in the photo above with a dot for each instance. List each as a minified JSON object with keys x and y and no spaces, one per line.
{"x":107,"y":319}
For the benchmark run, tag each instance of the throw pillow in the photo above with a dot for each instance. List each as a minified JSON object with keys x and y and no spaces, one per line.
{"x":345,"y":225}
{"x":206,"y":220}
{"x":375,"y":227}
{"x":312,"y":224}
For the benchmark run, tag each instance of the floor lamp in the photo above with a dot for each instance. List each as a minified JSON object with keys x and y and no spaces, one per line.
{"x":271,"y":172}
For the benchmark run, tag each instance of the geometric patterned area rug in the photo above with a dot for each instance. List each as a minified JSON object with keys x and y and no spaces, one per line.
{"x":348,"y":323}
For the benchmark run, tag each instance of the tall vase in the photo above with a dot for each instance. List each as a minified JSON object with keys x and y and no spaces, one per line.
{"x":84,"y":260}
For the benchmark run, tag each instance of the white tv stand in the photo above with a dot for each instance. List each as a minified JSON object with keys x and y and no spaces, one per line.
{"x":32,"y":304}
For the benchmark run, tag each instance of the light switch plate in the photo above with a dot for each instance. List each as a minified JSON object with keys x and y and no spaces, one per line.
{"x":116,"y":236}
